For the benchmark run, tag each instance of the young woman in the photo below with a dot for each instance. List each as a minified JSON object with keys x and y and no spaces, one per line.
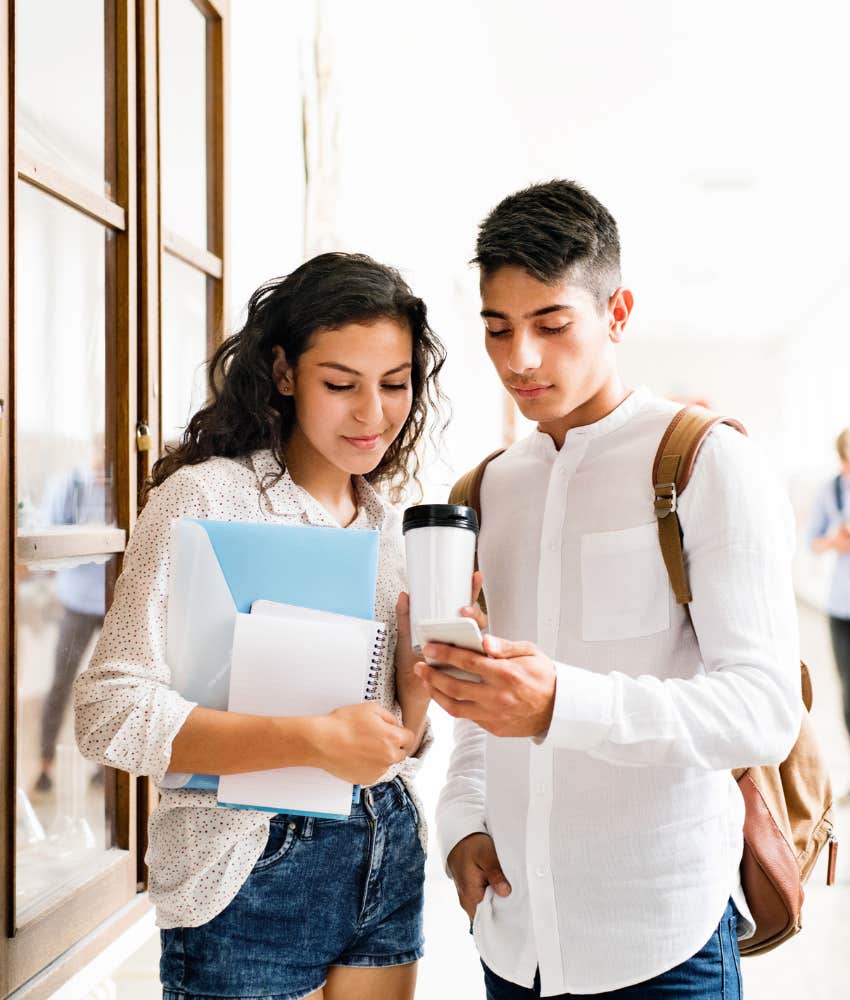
{"x":318,"y":401}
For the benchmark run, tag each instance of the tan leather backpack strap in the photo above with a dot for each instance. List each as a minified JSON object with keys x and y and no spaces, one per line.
{"x":806,"y":686}
{"x":467,"y":491}
{"x":671,"y":472}
{"x":669,"y":531}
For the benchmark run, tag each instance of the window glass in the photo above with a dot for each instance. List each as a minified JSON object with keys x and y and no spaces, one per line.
{"x":184,"y":344}
{"x":65,"y":474}
{"x":64,"y":810}
{"x":183,"y":118}
{"x":60,"y":86}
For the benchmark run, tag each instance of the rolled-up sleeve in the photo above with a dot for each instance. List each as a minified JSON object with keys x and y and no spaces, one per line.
{"x":125,"y":710}
{"x":745,"y":708}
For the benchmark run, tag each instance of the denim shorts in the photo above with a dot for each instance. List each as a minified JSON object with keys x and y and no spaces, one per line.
{"x":324,"y":892}
{"x":713,"y":973}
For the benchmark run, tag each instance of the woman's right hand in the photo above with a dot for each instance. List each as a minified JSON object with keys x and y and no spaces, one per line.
{"x":358,"y":743}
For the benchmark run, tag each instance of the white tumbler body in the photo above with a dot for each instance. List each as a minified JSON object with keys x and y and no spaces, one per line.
{"x":440,"y":563}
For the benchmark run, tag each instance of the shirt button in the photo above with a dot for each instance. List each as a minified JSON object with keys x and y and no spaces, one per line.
{"x":541,"y":788}
{"x":552,"y":545}
{"x":539,"y":872}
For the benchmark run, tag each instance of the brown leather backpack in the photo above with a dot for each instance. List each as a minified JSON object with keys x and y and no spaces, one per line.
{"x":788,"y":807}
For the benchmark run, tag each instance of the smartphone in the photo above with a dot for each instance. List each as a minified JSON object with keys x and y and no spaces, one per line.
{"x":463,"y":632}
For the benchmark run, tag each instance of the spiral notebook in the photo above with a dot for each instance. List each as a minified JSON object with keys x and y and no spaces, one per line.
{"x":297,"y":661}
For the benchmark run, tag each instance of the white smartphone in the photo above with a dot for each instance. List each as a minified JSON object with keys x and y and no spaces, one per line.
{"x":462,"y":632}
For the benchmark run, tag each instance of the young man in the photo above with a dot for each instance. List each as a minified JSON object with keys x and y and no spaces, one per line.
{"x":590,"y":820}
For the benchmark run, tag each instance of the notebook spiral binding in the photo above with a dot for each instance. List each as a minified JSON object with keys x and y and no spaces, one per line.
{"x":378,"y":652}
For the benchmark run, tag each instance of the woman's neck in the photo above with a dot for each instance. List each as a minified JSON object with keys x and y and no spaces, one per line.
{"x":329,"y":485}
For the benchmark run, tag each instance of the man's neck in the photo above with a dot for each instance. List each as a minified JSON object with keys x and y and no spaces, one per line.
{"x":604,"y":401}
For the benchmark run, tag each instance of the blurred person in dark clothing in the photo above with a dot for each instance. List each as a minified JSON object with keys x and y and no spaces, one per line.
{"x":78,"y":499}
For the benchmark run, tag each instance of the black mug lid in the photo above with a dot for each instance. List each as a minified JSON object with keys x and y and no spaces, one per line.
{"x":440,"y":515}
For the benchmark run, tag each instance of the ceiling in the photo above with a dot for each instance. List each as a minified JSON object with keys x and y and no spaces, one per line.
{"x":715,"y":133}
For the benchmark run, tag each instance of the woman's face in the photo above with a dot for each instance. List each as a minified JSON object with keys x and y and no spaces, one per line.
{"x":352,"y":391}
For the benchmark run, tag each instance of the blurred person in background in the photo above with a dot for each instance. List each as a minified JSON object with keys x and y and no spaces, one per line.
{"x":829,"y":531}
{"x":79,"y":498}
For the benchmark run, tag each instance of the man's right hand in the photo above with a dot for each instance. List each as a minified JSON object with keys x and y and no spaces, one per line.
{"x":473,"y":865}
{"x":358,"y":743}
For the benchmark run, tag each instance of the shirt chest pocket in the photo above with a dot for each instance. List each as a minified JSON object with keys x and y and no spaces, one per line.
{"x":625,"y":590}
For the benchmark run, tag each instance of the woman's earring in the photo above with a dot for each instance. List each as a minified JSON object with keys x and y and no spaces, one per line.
{"x":281,"y":372}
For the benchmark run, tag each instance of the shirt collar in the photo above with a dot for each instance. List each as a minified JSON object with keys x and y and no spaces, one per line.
{"x":612,"y":421}
{"x":286,"y":493}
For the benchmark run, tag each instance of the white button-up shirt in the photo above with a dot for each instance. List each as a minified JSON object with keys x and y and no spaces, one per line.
{"x":127,"y":714}
{"x":620,"y":830}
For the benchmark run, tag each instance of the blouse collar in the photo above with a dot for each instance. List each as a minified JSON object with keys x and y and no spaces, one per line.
{"x":280,"y":497}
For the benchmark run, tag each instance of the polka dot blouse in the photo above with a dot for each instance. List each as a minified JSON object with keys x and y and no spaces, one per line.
{"x":127,"y":715}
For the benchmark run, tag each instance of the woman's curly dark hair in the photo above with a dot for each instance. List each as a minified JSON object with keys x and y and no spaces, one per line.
{"x":246,"y":412}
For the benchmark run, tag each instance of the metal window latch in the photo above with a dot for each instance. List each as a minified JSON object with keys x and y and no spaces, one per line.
{"x":665,"y":499}
{"x":144,"y":442}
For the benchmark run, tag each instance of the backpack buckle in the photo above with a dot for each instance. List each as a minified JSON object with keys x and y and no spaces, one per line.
{"x":666,"y":499}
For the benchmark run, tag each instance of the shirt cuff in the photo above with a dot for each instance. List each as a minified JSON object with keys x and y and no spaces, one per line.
{"x":451,"y":830}
{"x":171,"y":713}
{"x":583,"y":711}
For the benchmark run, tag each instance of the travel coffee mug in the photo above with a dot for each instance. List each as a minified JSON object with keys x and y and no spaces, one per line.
{"x":440,"y":543}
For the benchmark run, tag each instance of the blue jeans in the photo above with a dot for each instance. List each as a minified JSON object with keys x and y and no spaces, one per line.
{"x":714,"y":973}
{"x":324,"y":892}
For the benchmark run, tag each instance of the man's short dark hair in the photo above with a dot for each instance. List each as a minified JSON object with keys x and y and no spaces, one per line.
{"x":554,"y":231}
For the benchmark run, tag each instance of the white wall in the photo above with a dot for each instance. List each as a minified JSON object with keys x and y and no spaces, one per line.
{"x":708,"y":132}
{"x":270,"y":76}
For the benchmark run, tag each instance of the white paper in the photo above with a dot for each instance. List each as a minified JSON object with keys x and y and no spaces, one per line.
{"x":286,"y":663}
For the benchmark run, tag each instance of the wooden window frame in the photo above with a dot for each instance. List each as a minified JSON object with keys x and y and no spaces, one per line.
{"x":155,"y":240}
{"x":208,"y":260}
{"x":37,"y":957}
{"x":7,"y":570}
{"x":39,"y":954}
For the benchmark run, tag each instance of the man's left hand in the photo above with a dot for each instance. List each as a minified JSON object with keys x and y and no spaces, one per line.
{"x":516,"y":695}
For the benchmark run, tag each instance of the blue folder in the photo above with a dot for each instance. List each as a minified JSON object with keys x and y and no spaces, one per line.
{"x":220,"y":568}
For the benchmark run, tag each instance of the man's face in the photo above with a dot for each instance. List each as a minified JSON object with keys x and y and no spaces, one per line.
{"x":552,"y":345}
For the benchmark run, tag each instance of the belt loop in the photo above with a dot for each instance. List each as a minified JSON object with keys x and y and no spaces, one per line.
{"x":402,"y":789}
{"x":307,"y":828}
